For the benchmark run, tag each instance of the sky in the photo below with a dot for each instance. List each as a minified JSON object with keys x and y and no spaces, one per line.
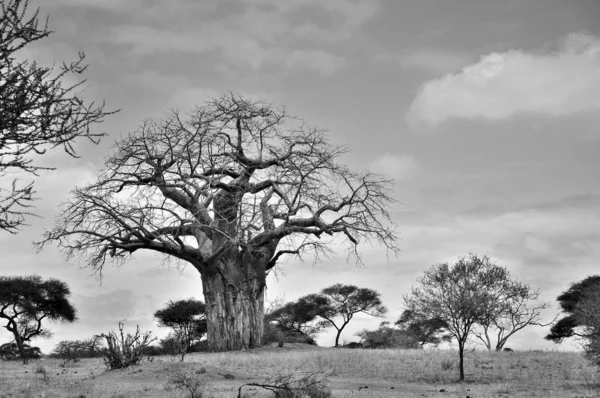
{"x":486,"y":114}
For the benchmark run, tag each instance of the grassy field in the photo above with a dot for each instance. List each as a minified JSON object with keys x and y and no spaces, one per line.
{"x":354,"y":373}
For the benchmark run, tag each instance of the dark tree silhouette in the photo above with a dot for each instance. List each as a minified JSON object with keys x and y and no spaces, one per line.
{"x":38,"y":111}
{"x":187,"y":320}
{"x":587,"y":314}
{"x":423,"y":330}
{"x":571,"y":325}
{"x":232,"y":190}
{"x":387,"y":337}
{"x":300,"y":317}
{"x":25,"y":302}
{"x":457,"y":295}
{"x":11,"y":352}
{"x":345,"y":301}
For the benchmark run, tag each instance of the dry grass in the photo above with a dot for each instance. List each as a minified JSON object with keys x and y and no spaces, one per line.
{"x":386,"y":373}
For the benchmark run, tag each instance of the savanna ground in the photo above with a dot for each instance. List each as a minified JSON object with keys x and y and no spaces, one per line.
{"x":386,"y":373}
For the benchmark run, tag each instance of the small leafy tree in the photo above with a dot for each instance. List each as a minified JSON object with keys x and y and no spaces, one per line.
{"x":187,"y":320}
{"x":300,"y":318}
{"x":422,"y":329}
{"x":388,"y":337}
{"x":74,"y":350}
{"x":458,"y":295}
{"x":570,"y":324}
{"x":11,"y":352}
{"x":68,"y":351}
{"x":38,"y":111}
{"x":345,"y":301}
{"x":27,"y":301}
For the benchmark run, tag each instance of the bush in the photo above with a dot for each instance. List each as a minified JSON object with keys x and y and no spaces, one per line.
{"x":74,"y":350}
{"x":10,"y":352}
{"x":188,"y":382}
{"x":386,"y":337}
{"x":124,"y":351}
{"x":273,"y":334}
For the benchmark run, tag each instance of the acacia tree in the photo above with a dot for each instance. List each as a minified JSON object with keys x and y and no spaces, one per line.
{"x":587,"y":315}
{"x":459,"y":295}
{"x":571,"y":324}
{"x":424,"y":330}
{"x":300,"y":317}
{"x":27,"y":301}
{"x":345,"y":301}
{"x":187,"y":320}
{"x":231,"y":190}
{"x":38,"y":110}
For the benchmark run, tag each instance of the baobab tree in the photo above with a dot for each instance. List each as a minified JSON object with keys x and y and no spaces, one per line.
{"x":233,"y":189}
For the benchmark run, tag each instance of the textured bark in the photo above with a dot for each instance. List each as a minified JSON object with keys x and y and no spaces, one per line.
{"x":19,"y":342}
{"x":461,"y":355}
{"x":234,"y":311}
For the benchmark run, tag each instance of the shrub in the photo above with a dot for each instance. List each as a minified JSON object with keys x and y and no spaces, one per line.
{"x":10,"y":351}
{"x":124,"y":351}
{"x":74,"y":350}
{"x":188,"y":382}
{"x":386,"y":337}
{"x":68,"y":351}
{"x":447,"y":364}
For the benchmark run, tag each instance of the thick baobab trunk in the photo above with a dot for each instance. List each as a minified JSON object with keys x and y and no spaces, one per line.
{"x":234,"y":312}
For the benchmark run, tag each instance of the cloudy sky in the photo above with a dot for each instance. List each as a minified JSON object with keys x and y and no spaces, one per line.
{"x":485,"y":113}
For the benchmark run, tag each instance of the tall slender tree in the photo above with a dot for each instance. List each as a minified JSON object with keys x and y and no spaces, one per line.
{"x":232,"y":190}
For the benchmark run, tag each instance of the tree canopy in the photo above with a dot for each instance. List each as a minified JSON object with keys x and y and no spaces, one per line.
{"x":187,"y":320}
{"x":422,"y":329}
{"x":345,"y":301}
{"x":572,"y":324}
{"x":38,"y":110}
{"x":300,"y":317}
{"x":27,"y":301}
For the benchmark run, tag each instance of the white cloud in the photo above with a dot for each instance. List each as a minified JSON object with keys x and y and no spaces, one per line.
{"x":429,"y":60}
{"x":316,"y":60}
{"x":502,"y":85}
{"x":398,"y":167}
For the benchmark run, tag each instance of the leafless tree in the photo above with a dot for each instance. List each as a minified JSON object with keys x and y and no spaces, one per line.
{"x":511,"y":308}
{"x":38,"y":111}
{"x":231,"y":190}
